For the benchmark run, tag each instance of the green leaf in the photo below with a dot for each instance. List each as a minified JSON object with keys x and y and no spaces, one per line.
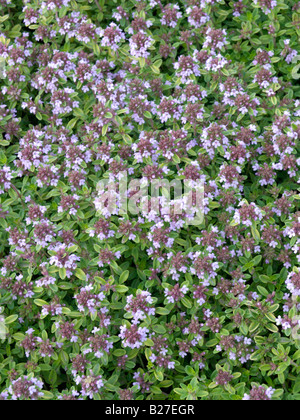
{"x":159,"y":329}
{"x":124,"y":276}
{"x":162,"y":311}
{"x":121,"y":289}
{"x":263,"y":291}
{"x":271,"y":317}
{"x":272,"y":328}
{"x":40,"y":302}
{"x":104,"y":129}
{"x":71,"y":124}
{"x":159,"y":375}
{"x":148,"y":114}
{"x":53,"y":377}
{"x":80,"y":274}
{"x":255,"y":233}
{"x":19,"y":336}
{"x":10,"y":319}
{"x":186,"y":302}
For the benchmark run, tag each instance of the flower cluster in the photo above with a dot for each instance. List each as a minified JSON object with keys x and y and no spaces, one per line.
{"x":149,"y":200}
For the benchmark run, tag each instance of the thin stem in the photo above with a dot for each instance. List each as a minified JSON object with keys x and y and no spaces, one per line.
{"x":98,"y":5}
{"x":158,"y":279}
{"x":14,"y":188}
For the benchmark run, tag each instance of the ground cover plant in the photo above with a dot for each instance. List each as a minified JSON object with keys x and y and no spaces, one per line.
{"x":103,"y":304}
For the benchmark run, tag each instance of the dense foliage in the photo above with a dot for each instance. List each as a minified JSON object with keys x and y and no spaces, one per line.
{"x":146,"y":306}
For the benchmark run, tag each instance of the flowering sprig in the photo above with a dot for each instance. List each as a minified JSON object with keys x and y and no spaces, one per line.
{"x":105,"y":292}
